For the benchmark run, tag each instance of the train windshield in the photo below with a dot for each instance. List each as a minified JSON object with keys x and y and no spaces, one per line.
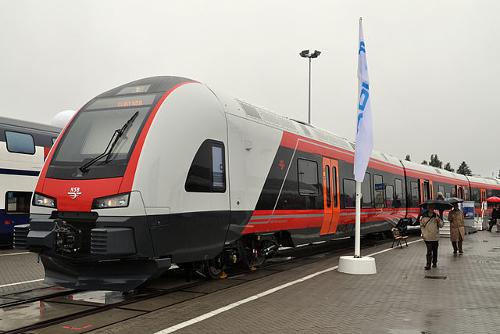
{"x":91,"y":133}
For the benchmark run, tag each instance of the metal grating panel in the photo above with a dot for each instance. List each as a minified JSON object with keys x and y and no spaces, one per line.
{"x":249,"y":109}
{"x":98,"y":241}
{"x":306,"y":130}
{"x":277,"y":120}
{"x":21,"y":236}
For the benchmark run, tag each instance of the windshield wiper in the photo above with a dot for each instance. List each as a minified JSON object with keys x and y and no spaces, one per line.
{"x":111,"y":145}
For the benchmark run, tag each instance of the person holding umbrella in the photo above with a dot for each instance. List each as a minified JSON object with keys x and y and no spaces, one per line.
{"x":457,"y":227}
{"x":430,"y":223}
{"x":495,"y":214}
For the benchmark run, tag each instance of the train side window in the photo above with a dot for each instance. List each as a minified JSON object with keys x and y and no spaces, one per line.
{"x":17,"y":202}
{"x":389,"y":196}
{"x":378,"y":181}
{"x":18,"y":142}
{"x":441,"y":189}
{"x":334,"y":178}
{"x":398,"y":196}
{"x":414,"y":194}
{"x":349,"y":195}
{"x":327,"y":186}
{"x":475,"y":195}
{"x":366,"y":192}
{"x":207,"y":172}
{"x":307,"y":171}
{"x":54,"y":140}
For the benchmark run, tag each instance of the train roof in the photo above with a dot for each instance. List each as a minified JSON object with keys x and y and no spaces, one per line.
{"x":433,"y":170}
{"x":249,"y":111}
{"x":29,"y":125}
{"x":264,"y":116}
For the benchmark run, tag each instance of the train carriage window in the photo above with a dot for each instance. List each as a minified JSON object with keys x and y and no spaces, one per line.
{"x":378,"y":181}
{"x":398,"y":195}
{"x":207,"y":172}
{"x":441,"y":190}
{"x":389,"y":196}
{"x":414,"y":194}
{"x":349,"y":195}
{"x":17,"y":202}
{"x":327,"y":186}
{"x":18,"y":142}
{"x":307,"y":171}
{"x":475,"y":195}
{"x":366,"y":192}
{"x":334,"y":178}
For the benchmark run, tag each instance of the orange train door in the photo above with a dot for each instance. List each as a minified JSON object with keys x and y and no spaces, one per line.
{"x":331,"y":196}
{"x":425,"y":190}
{"x":483,"y":195}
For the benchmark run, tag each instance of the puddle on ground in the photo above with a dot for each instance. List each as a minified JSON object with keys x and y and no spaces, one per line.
{"x":18,"y":316}
{"x":36,"y":293}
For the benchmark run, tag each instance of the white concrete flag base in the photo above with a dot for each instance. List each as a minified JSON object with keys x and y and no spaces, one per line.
{"x":357,"y":265}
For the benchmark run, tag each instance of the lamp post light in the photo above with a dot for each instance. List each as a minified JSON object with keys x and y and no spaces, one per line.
{"x":310,"y":55}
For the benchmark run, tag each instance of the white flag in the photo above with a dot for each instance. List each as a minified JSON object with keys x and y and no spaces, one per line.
{"x":364,"y":132}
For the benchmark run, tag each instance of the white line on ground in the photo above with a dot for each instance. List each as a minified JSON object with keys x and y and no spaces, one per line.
{"x":10,"y":254}
{"x":19,"y":283}
{"x":254,"y":297}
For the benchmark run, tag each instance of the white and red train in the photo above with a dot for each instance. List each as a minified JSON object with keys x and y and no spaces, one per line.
{"x":165,"y":170}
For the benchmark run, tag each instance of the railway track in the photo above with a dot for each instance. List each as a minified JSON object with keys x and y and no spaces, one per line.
{"x":36,"y":309}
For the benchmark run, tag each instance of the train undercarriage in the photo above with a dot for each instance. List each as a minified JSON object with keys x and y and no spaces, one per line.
{"x":78,"y":253}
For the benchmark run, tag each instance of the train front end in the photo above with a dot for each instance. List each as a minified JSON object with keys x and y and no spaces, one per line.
{"x":87,"y":223}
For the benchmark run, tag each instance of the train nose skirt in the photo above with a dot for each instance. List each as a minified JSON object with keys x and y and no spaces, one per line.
{"x":119,"y":275}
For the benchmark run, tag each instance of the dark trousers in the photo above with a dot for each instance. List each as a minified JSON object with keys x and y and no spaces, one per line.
{"x":457,"y":245}
{"x":432,"y":252}
{"x":492,"y":223}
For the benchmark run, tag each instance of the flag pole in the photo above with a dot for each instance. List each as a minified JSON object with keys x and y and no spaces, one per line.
{"x":356,"y":264}
{"x":357,"y":235}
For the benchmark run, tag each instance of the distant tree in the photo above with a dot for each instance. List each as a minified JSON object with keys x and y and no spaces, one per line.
{"x":464,"y":169}
{"x":448,"y":167}
{"x":409,"y":159}
{"x":425,"y":162}
{"x":435,"y":162}
{"x":498,"y":174}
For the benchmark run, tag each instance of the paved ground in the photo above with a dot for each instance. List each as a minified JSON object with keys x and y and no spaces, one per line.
{"x":18,"y":266}
{"x":398,"y":299}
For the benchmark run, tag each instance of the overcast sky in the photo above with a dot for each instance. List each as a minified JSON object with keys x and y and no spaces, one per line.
{"x":433,"y":64}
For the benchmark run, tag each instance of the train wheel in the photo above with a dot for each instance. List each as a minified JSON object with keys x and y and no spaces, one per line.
{"x":213,"y":269}
{"x":254,"y":256}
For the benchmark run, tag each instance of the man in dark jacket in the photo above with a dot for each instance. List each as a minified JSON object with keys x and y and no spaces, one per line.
{"x":495,"y":214}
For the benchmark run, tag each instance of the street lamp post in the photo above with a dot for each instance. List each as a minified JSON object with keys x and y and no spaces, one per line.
{"x":310,"y":55}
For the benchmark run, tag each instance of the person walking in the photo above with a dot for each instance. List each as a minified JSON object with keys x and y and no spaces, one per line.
{"x":429,"y":225}
{"x":495,"y":214}
{"x":457,"y":228}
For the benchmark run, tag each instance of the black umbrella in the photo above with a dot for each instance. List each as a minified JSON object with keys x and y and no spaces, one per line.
{"x":453,"y":200}
{"x":438,"y":204}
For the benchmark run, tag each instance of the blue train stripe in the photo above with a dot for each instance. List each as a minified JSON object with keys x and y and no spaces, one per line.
{"x":18,"y":172}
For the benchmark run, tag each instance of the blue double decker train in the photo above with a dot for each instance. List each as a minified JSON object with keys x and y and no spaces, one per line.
{"x":23,"y":148}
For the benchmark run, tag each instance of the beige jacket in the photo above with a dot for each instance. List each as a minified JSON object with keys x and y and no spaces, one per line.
{"x":457,"y":229}
{"x":430,"y":227}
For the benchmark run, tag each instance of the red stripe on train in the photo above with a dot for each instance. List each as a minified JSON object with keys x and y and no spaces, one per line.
{"x":304,"y":144}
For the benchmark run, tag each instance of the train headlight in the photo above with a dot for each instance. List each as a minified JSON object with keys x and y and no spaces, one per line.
{"x":42,"y":200}
{"x":115,"y":201}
